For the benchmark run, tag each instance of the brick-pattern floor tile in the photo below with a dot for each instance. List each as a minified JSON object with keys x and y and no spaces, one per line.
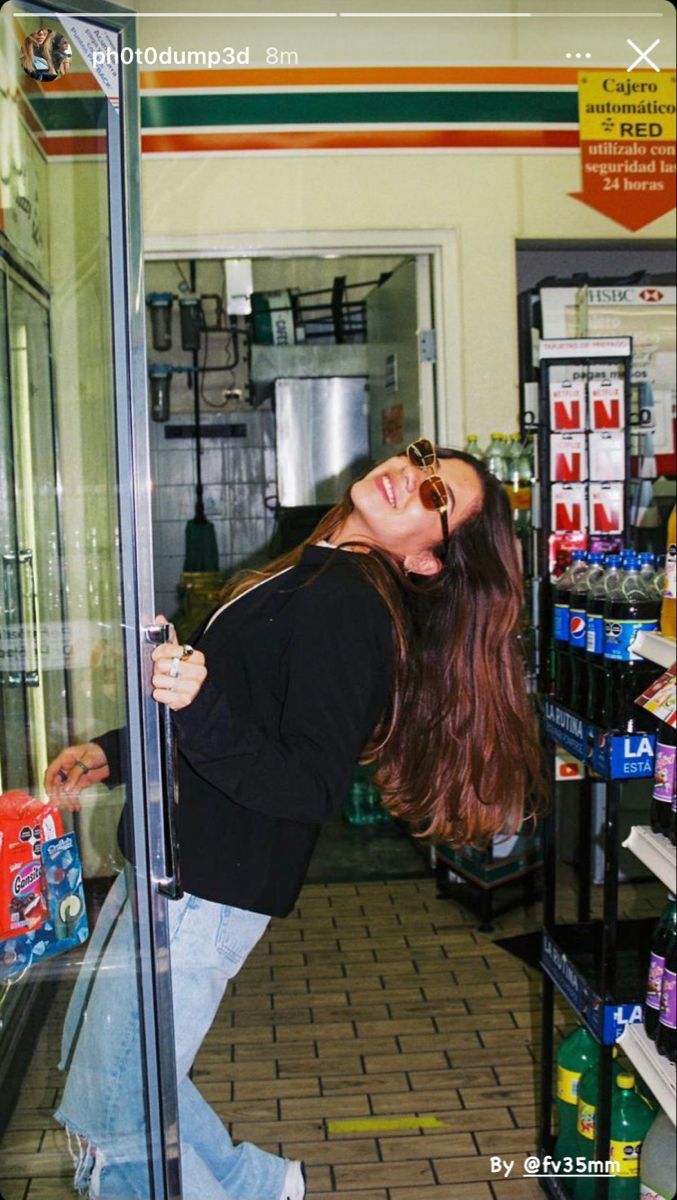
{"x":375,"y":1034}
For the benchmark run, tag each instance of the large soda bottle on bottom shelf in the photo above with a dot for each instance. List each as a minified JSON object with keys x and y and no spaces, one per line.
{"x":577,"y":1053}
{"x":631,"y":1120}
{"x":662,"y":803}
{"x":634,"y":611}
{"x":658,"y":1161}
{"x":584,"y":1186}
{"x":666,"y":1034}
{"x":578,"y":625}
{"x":664,"y":931}
{"x":561,"y":594}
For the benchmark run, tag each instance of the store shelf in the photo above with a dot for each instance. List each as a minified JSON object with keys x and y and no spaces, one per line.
{"x":571,"y":957}
{"x":656,"y":852}
{"x":613,"y":756}
{"x":657,"y":1072}
{"x":656,"y":648}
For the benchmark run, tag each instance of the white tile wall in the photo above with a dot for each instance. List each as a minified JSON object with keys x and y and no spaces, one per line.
{"x":238,"y":475}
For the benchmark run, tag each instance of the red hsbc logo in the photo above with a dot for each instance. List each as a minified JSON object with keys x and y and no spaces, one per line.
{"x":651,"y":295}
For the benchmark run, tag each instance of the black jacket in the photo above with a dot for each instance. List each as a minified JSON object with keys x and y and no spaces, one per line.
{"x":298,"y":677}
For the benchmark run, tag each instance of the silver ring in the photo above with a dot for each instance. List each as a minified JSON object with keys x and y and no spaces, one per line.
{"x":174,"y":668}
{"x":83,"y":766}
{"x":186,"y":651}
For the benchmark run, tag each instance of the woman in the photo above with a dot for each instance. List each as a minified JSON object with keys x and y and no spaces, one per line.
{"x":389,"y":635}
{"x":45,"y":55}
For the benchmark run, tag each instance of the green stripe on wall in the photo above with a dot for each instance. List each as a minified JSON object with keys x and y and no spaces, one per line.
{"x":322,"y":108}
{"x":361,"y":108}
{"x":63,"y":113}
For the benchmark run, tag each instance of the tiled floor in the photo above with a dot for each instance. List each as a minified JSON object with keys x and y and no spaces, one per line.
{"x":375,"y":1034}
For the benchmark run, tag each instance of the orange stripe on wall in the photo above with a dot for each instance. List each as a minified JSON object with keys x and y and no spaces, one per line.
{"x":391,"y":139}
{"x":71,"y":146}
{"x":355,"y":76}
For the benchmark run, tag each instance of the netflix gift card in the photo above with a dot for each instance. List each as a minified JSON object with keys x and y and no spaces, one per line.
{"x":568,"y":457}
{"x":567,"y":406}
{"x":569,"y":503}
{"x":606,"y":400}
{"x":606,"y":507}
{"x":607,"y":456}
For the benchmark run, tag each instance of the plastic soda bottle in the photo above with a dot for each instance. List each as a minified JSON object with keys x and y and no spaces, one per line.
{"x":578,"y":628}
{"x":584,"y":1186}
{"x":629,"y":610}
{"x":495,"y":457}
{"x":657,"y":1161}
{"x":647,"y":565}
{"x":472,"y":446}
{"x":577,"y":1053}
{"x":666,"y":1034}
{"x":670,"y":584}
{"x":596,"y":600}
{"x":631,"y":1120}
{"x":561,"y":596}
{"x":662,"y":803}
{"x":664,"y":930}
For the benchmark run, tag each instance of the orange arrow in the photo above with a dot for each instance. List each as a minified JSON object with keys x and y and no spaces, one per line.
{"x":632,"y":189}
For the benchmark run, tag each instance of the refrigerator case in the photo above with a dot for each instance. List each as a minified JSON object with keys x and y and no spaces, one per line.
{"x":322,"y":438}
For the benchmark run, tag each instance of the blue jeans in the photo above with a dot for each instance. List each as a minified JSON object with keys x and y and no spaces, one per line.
{"x":103,"y":1103}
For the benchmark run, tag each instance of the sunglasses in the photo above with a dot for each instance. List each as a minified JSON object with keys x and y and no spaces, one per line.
{"x":433,"y":491}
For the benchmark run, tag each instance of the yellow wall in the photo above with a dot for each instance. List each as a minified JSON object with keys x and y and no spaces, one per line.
{"x":489,"y":199}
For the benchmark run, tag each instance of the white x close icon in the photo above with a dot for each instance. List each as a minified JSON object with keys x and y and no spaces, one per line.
{"x":643,"y":55}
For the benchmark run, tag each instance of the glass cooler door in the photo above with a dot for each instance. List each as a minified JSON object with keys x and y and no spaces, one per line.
{"x":85,"y":987}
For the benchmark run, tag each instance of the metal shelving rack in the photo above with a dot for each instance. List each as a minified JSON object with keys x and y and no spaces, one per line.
{"x":660,"y":856}
{"x":598,"y":966}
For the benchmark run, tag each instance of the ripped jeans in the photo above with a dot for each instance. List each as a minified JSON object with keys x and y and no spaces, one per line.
{"x":103,"y":1103}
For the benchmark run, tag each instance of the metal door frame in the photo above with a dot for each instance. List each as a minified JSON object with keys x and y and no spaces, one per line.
{"x":144,"y":782}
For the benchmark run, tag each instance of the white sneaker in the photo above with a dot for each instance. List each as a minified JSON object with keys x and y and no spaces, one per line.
{"x":294,"y":1187}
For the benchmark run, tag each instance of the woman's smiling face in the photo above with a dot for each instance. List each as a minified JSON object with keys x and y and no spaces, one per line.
{"x":389,"y":513}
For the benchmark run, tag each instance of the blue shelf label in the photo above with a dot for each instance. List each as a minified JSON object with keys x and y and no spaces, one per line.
{"x":567,"y":729}
{"x":611,"y":755}
{"x":605,"y":1021}
{"x":624,"y":756}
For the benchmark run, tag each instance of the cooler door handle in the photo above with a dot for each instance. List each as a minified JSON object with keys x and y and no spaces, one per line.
{"x":169,"y":884}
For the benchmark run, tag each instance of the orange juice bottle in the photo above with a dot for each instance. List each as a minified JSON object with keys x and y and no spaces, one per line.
{"x":670,"y":589}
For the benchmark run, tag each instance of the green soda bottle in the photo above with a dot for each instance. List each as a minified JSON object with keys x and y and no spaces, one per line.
{"x":631,"y":1120}
{"x":577,"y":1053}
{"x":585,"y":1186}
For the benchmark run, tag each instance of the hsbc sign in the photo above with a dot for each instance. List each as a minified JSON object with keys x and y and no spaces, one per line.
{"x":631,"y":295}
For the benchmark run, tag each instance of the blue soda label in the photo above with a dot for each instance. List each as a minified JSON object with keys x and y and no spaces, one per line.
{"x":618,"y":636}
{"x":561,"y":622}
{"x":595,"y":634}
{"x":577,"y":628}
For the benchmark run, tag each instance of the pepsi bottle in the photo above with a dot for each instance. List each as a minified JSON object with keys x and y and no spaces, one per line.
{"x":596,"y":600}
{"x":578,"y":624}
{"x":562,"y":590}
{"x":632,"y":611}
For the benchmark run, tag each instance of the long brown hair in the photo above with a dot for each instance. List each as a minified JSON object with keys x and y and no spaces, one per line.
{"x":457,"y":753}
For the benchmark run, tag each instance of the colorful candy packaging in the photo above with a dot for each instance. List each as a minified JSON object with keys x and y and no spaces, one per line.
{"x":25,"y":824}
{"x":42,"y":903}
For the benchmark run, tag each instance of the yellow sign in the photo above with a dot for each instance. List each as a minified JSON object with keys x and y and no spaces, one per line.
{"x":632,"y":106}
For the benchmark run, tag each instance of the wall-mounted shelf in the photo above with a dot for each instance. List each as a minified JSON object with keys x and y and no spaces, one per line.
{"x":657,"y":1072}
{"x":656,"y":852}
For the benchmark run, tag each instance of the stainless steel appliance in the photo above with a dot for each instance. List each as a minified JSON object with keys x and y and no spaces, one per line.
{"x":322,"y":438}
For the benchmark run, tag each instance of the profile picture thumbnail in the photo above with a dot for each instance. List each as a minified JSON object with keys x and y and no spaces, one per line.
{"x":46,"y":55}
